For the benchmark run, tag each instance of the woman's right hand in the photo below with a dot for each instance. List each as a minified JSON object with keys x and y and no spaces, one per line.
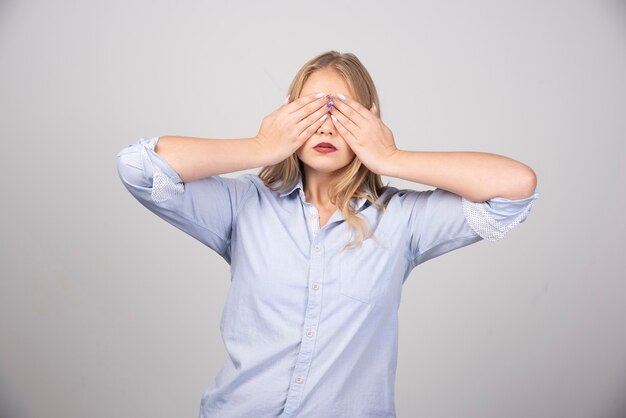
{"x":284,"y":130}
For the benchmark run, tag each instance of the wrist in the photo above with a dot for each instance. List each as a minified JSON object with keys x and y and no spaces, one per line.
{"x":391,"y":163}
{"x":260,"y":151}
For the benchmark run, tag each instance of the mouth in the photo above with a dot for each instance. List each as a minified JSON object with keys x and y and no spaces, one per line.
{"x":325,"y":146}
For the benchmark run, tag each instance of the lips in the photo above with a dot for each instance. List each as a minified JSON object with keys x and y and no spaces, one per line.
{"x":325,"y":145}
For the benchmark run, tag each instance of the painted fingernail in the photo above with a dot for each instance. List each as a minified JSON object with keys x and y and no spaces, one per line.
{"x":342,"y":97}
{"x":329,"y":104}
{"x":333,"y":118}
{"x":324,"y":117}
{"x":318,"y":95}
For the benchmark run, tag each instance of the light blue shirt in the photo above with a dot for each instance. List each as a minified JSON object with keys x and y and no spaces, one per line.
{"x":310,"y":332}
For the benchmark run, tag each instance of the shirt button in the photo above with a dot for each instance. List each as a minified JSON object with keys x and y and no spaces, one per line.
{"x":298,"y":379}
{"x":317,"y":247}
{"x":316,"y":286}
{"x":309,"y":333}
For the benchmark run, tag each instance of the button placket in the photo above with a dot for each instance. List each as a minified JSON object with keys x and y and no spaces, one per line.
{"x":309,"y":331}
{"x":314,"y":219}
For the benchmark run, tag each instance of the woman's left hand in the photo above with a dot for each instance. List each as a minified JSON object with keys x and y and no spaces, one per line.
{"x":370,"y":139}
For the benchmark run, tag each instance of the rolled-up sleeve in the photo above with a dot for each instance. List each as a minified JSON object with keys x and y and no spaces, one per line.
{"x":441,"y":221}
{"x":205,"y":209}
{"x":495,"y":217}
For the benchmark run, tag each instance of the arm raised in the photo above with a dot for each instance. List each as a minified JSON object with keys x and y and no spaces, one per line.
{"x":196,"y":158}
{"x":281,"y":133}
{"x":477,"y":176}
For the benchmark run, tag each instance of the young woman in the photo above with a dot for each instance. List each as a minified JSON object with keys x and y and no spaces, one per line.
{"x":318,"y":247}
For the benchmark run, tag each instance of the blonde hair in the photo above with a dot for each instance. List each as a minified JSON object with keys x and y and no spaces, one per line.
{"x":355,"y":179}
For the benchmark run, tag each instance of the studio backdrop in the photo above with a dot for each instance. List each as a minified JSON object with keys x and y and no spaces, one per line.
{"x":108,"y":311}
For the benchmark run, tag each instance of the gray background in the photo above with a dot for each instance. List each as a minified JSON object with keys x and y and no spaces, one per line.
{"x":108,"y":311}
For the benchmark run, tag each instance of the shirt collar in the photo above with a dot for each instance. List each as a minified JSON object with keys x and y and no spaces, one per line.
{"x":298,"y":185}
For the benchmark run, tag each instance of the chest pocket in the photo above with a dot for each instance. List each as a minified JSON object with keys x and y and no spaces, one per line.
{"x":363,"y":269}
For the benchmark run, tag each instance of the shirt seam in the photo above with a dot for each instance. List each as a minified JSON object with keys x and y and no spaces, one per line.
{"x":178,"y":201}
{"x":244,"y":200}
{"x":193,"y":222}
{"x":413,"y":258}
{"x":443,"y":241}
{"x":420,"y":224}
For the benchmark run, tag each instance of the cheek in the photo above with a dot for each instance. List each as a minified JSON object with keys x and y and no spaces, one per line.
{"x":347,"y":146}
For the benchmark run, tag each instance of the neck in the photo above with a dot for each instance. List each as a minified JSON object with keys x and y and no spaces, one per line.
{"x":316,"y":187}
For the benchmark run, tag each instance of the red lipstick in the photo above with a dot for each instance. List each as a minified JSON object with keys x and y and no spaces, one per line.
{"x":324,"y":147}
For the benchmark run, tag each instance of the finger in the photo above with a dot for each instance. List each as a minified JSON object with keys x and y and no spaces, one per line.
{"x":353,"y":109}
{"x":311,"y":129}
{"x":343,"y":131}
{"x":311,"y":119}
{"x":345,"y":121}
{"x":300,"y":102}
{"x":310,"y":108}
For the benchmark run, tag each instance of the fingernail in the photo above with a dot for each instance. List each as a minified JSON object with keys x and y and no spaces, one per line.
{"x":286,"y":100}
{"x":324,"y":117}
{"x":332,"y":117}
{"x":329,"y":104}
{"x":342,"y":97}
{"x":318,"y":95}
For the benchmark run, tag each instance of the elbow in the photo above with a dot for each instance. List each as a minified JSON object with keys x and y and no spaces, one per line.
{"x":530,"y":182}
{"x":520,"y":185}
{"x":526,"y":183}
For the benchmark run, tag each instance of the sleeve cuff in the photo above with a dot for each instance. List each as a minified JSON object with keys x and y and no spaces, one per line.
{"x":494,"y":218}
{"x":166,"y":183}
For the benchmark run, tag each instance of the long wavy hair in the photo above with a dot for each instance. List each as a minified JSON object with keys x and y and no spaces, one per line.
{"x":354,"y":180}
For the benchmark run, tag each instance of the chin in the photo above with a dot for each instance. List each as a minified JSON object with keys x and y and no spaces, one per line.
{"x":326,"y":168}
{"x":312,"y":160}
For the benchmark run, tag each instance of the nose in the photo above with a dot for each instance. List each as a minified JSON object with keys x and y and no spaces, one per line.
{"x":326,"y":128}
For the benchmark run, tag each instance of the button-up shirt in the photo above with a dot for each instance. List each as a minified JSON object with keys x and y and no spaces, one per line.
{"x":310,"y":331}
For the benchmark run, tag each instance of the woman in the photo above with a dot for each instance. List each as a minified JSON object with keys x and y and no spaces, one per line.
{"x":310,"y":322}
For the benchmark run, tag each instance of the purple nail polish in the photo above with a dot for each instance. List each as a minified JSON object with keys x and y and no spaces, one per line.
{"x":329,"y":104}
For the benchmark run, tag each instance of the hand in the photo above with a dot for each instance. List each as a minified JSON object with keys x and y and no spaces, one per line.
{"x":284,"y":130}
{"x":370,"y":139}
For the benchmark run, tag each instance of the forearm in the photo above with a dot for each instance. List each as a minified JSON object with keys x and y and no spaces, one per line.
{"x":196,"y":158}
{"x":477,"y":176}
